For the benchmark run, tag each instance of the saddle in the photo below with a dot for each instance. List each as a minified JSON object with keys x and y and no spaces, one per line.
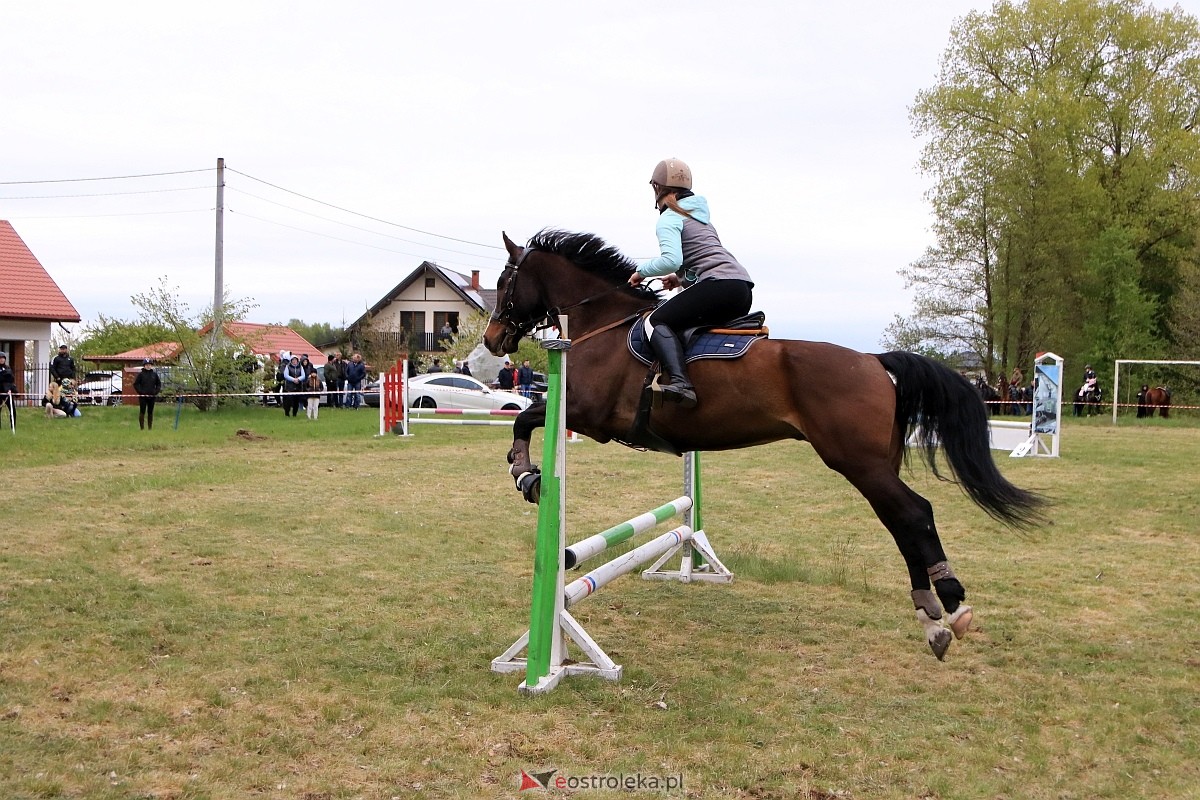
{"x":729,"y":340}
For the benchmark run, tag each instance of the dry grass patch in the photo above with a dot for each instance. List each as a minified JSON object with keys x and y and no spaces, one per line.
{"x":312,"y":616}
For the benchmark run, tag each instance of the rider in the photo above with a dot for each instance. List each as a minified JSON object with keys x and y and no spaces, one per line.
{"x":716,"y":287}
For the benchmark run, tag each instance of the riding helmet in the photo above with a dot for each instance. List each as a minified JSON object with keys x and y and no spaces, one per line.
{"x":673,"y":173}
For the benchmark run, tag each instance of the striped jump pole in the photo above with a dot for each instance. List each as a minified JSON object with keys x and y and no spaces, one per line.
{"x":622,"y":565}
{"x":552,"y":628}
{"x":595,"y":545}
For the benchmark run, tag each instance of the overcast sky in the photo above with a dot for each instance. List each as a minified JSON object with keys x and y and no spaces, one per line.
{"x":352,"y":131}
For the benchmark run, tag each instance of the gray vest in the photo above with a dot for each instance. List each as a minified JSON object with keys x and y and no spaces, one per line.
{"x":704,"y":257}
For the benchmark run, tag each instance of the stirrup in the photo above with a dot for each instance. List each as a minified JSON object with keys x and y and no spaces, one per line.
{"x":671,"y":393}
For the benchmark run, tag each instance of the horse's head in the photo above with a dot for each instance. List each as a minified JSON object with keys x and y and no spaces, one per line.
{"x":519,"y":307}
{"x":561,"y":272}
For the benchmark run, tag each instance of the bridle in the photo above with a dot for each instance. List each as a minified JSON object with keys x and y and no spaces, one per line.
{"x":506,"y":308}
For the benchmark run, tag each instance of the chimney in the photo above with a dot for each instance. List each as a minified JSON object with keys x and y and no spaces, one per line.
{"x":474,"y":279}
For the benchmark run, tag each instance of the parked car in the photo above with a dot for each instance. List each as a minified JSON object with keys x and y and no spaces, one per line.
{"x":453,"y":391}
{"x":99,"y":389}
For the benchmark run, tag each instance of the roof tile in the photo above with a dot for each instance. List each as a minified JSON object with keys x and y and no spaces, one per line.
{"x":26,"y":290}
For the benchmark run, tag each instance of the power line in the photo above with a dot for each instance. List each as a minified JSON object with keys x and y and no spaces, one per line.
{"x":111,"y":178}
{"x":355,"y":227}
{"x":104,"y":194}
{"x":364,"y":216}
{"x":131,"y":214}
{"x":347,"y":241}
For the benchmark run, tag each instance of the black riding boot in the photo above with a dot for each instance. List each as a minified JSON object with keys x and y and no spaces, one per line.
{"x":669,"y":349}
{"x":142,"y":420}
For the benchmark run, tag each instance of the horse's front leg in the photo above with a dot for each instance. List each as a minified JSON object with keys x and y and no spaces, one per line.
{"x":526,"y":474}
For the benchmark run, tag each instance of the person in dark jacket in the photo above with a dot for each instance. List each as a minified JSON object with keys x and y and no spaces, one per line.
{"x":335,"y":382}
{"x":147,"y":386}
{"x":8,"y":391}
{"x":356,"y":373}
{"x":63,"y":366}
{"x":505,"y":379}
{"x":525,"y":379}
{"x":293,"y":386}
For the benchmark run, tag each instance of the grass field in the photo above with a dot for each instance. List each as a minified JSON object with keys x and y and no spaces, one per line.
{"x":311,"y":614}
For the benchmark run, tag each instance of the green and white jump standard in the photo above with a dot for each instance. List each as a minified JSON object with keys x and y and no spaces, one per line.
{"x":551,"y":627}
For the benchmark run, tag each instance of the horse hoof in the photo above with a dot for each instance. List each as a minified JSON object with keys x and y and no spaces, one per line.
{"x":530,"y":485}
{"x":960,"y":621}
{"x":939,"y":643}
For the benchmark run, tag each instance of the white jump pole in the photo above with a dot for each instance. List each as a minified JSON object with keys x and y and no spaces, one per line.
{"x":622,"y":565}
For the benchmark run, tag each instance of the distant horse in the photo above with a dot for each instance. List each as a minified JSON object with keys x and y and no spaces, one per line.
{"x":1088,"y":398}
{"x":856,"y":410}
{"x":1159,"y":397}
{"x":989,"y":395}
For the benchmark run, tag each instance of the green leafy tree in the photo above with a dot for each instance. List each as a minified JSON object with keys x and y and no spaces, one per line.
{"x":319,"y":333}
{"x":1052,"y":123}
{"x":209,"y":363}
{"x":109,"y":336}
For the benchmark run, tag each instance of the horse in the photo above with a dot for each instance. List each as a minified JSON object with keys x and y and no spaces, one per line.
{"x":1088,"y":399}
{"x":989,"y":395}
{"x":1159,"y":397}
{"x":856,"y":410}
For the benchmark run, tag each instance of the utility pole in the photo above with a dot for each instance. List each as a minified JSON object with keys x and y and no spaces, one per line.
{"x":219,"y":258}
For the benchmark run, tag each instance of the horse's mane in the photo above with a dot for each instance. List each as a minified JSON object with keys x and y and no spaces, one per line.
{"x":592,"y":254}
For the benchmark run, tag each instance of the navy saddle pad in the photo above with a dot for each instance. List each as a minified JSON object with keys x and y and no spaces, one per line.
{"x":703,"y":344}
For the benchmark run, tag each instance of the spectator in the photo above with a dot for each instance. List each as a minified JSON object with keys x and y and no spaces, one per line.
{"x":63,"y":366}
{"x":59,"y":400}
{"x":356,"y":373}
{"x":461,"y":367}
{"x":1017,"y":378}
{"x":334,"y":382}
{"x":1142,"y":409}
{"x":293,"y":387}
{"x":147,"y":386}
{"x":446,"y":332}
{"x":8,"y":391}
{"x":506,"y":377}
{"x":525,"y":379}
{"x":313,"y":386}
{"x":437,"y":365}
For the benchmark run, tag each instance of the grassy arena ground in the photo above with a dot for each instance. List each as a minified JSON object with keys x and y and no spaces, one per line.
{"x":311,"y":614}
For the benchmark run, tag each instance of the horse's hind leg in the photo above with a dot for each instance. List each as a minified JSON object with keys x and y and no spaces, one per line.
{"x":909,"y":518}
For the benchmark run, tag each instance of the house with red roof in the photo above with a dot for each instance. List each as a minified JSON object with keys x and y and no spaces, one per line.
{"x":266,"y":342}
{"x":30,"y":304}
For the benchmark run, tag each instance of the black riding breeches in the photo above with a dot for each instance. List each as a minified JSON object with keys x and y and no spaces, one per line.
{"x":705,"y":303}
{"x":146,"y":405}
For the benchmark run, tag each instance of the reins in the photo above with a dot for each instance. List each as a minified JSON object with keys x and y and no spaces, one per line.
{"x":550,"y":318}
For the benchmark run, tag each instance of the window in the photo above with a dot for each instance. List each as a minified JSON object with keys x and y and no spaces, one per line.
{"x":413,"y":321}
{"x":430,"y":283}
{"x":444,"y":319}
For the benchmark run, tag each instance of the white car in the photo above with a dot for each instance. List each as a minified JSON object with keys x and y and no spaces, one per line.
{"x":99,"y":389}
{"x":454,"y":391}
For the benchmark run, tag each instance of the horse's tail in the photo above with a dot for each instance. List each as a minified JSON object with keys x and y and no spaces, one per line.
{"x":944,"y":409}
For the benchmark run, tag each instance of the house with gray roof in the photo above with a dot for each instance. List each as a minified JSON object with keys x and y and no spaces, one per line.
{"x":430,"y":298}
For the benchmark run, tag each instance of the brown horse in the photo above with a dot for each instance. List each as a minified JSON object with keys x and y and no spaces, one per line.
{"x":856,"y":410}
{"x":1159,"y":397}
